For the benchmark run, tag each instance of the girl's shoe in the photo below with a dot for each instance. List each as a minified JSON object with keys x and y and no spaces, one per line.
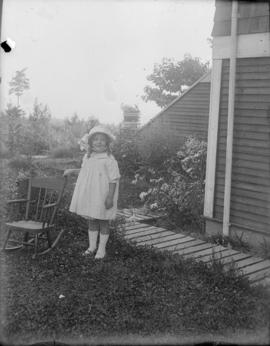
{"x":88,"y":252}
{"x":101,"y":252}
{"x":93,"y":235}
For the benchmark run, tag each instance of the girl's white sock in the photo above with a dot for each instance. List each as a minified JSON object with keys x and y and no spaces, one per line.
{"x":92,"y":240}
{"x":101,"y":252}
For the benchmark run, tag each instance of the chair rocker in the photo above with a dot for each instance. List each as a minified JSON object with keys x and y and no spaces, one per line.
{"x":37,"y":227}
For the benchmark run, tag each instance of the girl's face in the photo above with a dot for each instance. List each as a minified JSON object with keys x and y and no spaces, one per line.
{"x":99,"y":143}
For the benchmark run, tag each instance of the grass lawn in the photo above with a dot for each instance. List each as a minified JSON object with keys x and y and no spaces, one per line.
{"x":136,"y":292}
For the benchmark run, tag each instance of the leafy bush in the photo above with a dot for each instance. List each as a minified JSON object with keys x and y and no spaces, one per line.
{"x":32,"y":143}
{"x":4,"y":152}
{"x":177,"y":186}
{"x":21,"y":163}
{"x":126,"y":152}
{"x":64,"y":151}
{"x":156,"y":147}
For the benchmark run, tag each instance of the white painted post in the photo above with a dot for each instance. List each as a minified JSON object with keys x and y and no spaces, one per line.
{"x":212,"y":138}
{"x":229,"y":146}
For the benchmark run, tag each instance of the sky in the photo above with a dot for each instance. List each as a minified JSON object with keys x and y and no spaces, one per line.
{"x":90,"y":56}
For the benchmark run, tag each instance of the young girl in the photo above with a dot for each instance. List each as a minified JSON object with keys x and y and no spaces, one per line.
{"x":96,"y":191}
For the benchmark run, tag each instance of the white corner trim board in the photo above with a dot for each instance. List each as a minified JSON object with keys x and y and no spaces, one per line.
{"x":248,"y":46}
{"x":212,"y":138}
{"x":230,"y":124}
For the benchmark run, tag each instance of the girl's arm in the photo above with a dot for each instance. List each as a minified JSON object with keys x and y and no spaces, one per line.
{"x":71,"y":171}
{"x":74,"y":170}
{"x":109,"y":199}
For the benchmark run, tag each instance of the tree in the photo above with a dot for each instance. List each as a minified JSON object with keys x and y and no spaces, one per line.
{"x":170,"y":78}
{"x":91,"y":122}
{"x":75,"y":128}
{"x":19,"y":84}
{"x":14,"y":119}
{"x":37,"y":130}
{"x":41,"y":114}
{"x":210,"y":41}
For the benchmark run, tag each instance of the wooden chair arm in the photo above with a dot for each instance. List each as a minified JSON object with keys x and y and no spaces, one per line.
{"x":23,"y":200}
{"x":47,"y":206}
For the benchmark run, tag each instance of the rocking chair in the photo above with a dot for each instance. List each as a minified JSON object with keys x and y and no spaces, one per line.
{"x":43,"y":198}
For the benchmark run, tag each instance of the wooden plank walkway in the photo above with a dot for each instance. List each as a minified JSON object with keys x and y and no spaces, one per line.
{"x":255,"y":268}
{"x":139,"y":214}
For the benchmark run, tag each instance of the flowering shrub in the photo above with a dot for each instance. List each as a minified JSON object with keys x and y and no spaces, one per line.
{"x":177,"y":186}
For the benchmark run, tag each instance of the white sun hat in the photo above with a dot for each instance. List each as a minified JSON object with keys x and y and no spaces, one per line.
{"x":101,"y":129}
{"x":83,"y":142}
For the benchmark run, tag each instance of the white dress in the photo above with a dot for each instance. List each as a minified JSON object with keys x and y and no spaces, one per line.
{"x":92,"y":187}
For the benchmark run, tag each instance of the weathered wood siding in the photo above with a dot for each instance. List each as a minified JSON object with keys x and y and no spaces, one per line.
{"x":187,"y":116}
{"x":190,"y":115}
{"x":253,"y":17}
{"x":250,"y":198}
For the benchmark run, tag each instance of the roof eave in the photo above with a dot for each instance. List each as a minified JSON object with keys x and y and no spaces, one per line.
{"x":174,"y":101}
